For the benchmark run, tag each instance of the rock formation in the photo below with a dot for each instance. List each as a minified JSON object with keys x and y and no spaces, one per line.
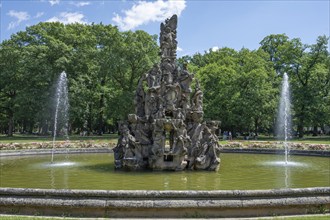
{"x":167,"y":131}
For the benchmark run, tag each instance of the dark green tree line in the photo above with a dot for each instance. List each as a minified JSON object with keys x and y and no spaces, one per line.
{"x":309,"y":70}
{"x":241,"y":88}
{"x":102,"y":64}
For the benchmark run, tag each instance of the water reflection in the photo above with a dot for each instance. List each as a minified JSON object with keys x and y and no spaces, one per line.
{"x":287,"y":183}
{"x":52,"y":178}
{"x":287,"y":165}
{"x":65,"y":179}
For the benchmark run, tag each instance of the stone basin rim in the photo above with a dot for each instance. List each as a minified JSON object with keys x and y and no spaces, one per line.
{"x":164,"y":204}
{"x":281,"y":192}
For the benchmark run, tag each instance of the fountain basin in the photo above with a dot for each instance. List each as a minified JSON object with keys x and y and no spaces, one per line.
{"x":233,"y":191}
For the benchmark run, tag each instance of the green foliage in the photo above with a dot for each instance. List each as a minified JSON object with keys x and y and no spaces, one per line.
{"x":239,"y":88}
{"x":308,"y":68}
{"x":102,"y":65}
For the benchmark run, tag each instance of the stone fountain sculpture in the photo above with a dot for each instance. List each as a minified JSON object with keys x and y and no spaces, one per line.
{"x":167,"y":131}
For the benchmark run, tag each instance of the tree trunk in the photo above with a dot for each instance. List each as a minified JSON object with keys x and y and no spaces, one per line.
{"x":101,"y":107}
{"x":89,"y":121}
{"x":31,"y":125}
{"x":315,"y":130}
{"x":10,"y":123}
{"x":101,"y":123}
{"x":44,"y":129}
{"x":24,"y":126}
{"x":256,"y":127}
{"x":301,"y":129}
{"x":301,"y":118}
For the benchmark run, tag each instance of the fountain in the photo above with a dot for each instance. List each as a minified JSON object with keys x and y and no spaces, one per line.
{"x":167,"y":131}
{"x":61,"y":110}
{"x":283,"y":124}
{"x":162,"y":135}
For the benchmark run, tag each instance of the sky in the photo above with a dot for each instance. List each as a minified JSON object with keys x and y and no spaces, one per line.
{"x":202,"y":25}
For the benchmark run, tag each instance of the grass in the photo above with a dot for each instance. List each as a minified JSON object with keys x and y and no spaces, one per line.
{"x":17,"y":138}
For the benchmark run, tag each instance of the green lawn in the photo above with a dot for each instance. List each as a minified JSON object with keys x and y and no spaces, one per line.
{"x":35,"y":138}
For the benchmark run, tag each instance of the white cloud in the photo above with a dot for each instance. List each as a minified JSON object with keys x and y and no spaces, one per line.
{"x":144,"y":12}
{"x":179,"y":49}
{"x":39,"y":14}
{"x":215,"y":48}
{"x":68,"y":17}
{"x":20,"y":17}
{"x":54,"y":2}
{"x":80,"y":4}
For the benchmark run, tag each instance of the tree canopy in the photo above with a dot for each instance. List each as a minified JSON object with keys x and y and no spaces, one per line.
{"x":103,"y":65}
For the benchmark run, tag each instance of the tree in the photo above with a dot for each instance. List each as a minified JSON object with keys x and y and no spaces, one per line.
{"x":238,"y":88}
{"x":11,"y":82}
{"x":133,"y":56}
{"x":102,"y":65}
{"x":256,"y":103}
{"x":307,"y":67}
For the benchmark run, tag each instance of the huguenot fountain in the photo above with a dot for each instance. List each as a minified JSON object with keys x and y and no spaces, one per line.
{"x":167,"y":131}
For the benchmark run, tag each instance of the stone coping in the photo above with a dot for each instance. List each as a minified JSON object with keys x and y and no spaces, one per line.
{"x":156,"y":204}
{"x":323,"y":153}
{"x":162,"y":194}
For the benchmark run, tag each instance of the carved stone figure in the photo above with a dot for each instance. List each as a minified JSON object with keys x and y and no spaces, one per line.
{"x":139,"y":99}
{"x":154,"y":77}
{"x":197,"y":99}
{"x":181,"y":139}
{"x":185,"y":80}
{"x":168,"y":43}
{"x":128,"y":151}
{"x":167,"y":131}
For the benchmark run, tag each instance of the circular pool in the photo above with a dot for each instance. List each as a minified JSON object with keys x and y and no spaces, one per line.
{"x":96,"y":172}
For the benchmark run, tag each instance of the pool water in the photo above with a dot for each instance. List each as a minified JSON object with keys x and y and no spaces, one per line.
{"x":96,"y":171}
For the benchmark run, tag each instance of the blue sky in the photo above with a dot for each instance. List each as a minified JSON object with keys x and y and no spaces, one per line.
{"x":202,"y":24}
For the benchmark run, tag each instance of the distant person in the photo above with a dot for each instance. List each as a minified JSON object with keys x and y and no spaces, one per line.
{"x":224,"y":135}
{"x":230,"y":136}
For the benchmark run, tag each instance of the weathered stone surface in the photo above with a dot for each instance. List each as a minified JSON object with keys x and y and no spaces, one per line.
{"x":167,"y":131}
{"x":177,"y":204}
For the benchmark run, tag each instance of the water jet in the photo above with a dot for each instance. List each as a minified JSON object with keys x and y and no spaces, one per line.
{"x":284,"y":123}
{"x":61,"y":109}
